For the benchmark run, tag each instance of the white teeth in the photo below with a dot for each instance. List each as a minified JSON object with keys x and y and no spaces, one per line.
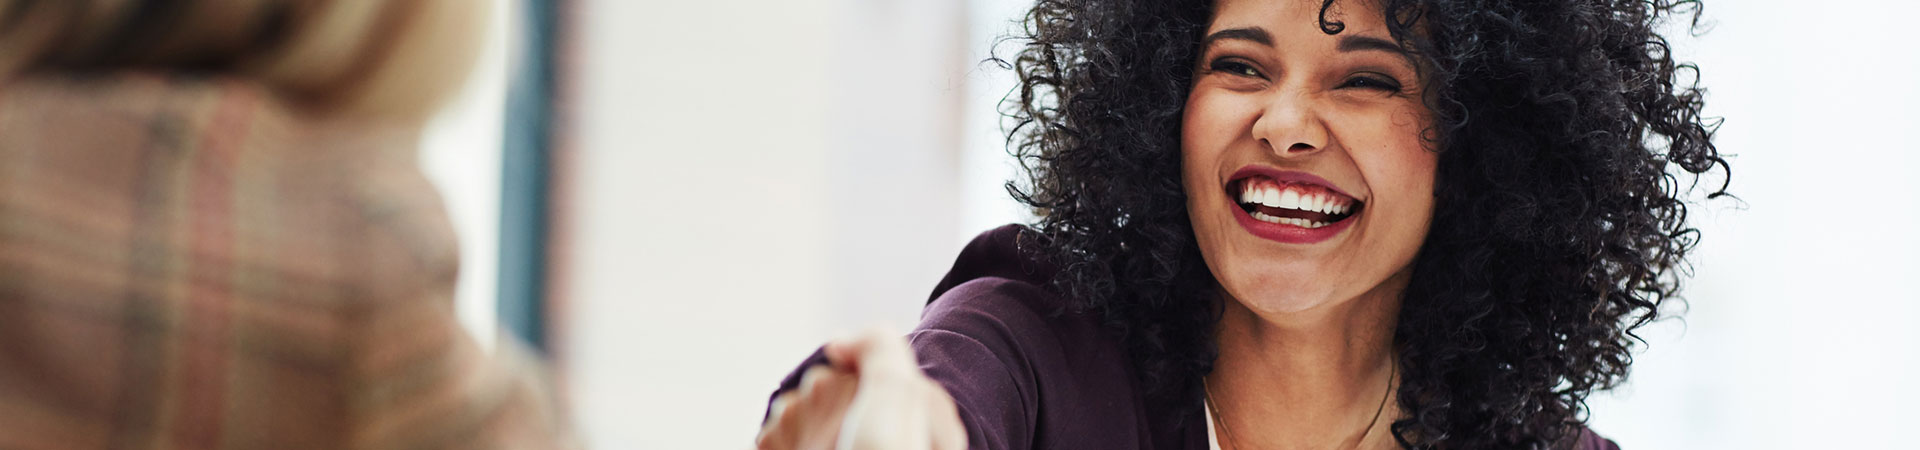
{"x":1302,"y":223}
{"x":1287,"y":199}
{"x":1296,"y":199}
{"x":1263,"y":217}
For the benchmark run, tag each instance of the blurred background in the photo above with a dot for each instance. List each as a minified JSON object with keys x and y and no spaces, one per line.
{"x":677,"y":201}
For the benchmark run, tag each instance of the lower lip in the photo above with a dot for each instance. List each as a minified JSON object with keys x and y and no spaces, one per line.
{"x":1288,"y":233}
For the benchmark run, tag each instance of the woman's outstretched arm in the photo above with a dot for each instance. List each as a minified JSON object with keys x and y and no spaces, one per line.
{"x":871,"y":395}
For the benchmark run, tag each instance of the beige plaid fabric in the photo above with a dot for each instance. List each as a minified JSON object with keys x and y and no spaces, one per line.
{"x":187,"y":264}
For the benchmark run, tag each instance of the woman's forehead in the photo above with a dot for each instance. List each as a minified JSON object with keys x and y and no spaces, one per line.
{"x":1287,"y":17}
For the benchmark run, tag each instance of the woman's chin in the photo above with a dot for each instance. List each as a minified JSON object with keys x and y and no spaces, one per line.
{"x":1278,"y":295}
{"x":1271,"y":299}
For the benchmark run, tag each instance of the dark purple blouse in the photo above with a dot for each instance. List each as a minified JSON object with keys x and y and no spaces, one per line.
{"x":1029,"y":373}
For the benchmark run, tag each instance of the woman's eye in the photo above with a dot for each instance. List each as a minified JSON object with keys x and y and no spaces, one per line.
{"x":1366,"y":82}
{"x":1234,"y":67}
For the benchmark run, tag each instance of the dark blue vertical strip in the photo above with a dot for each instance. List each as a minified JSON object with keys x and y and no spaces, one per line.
{"x":524,"y":181}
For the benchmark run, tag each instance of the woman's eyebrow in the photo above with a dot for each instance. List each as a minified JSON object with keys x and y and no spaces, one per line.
{"x":1254,"y":34}
{"x":1348,"y":43}
{"x":1356,"y":43}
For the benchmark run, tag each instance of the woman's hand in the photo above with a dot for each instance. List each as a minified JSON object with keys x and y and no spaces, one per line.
{"x":873,"y":397}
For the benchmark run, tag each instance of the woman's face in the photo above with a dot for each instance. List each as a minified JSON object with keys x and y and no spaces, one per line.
{"x":1308,"y":182}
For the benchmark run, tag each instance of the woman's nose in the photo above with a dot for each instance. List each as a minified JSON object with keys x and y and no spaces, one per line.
{"x":1290,"y":126}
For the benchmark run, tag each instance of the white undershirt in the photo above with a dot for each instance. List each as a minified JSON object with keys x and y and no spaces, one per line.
{"x":1213,"y":443}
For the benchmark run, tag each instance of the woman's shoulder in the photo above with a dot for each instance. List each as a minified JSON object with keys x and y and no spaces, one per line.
{"x":1001,"y":271}
{"x":999,"y":299}
{"x":1001,"y":284}
{"x":1014,"y":352}
{"x":1007,"y":254}
{"x":1590,"y":440}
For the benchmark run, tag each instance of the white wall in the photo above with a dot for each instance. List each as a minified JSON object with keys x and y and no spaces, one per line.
{"x":985,"y":166}
{"x":460,"y":152}
{"x":753,"y":177}
{"x":1801,"y":332}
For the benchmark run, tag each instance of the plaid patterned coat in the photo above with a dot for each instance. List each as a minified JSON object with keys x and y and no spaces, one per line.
{"x":186,"y":263}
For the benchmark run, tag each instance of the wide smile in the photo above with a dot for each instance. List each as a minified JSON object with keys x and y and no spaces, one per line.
{"x":1292,"y":207}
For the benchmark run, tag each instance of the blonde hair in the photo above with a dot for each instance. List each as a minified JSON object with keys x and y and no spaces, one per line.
{"x":396,"y":59}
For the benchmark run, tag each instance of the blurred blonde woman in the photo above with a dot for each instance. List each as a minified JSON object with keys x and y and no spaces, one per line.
{"x":214,"y":234}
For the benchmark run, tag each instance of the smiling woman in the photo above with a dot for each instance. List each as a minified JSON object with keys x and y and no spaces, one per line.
{"x":1300,"y":224}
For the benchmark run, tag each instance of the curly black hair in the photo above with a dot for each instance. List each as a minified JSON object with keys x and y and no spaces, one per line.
{"x":1560,"y":216}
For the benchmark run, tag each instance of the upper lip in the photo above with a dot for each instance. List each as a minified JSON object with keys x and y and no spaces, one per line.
{"x":1286,"y":176}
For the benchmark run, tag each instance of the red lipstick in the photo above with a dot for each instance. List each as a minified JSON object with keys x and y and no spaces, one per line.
{"x":1292,"y":230}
